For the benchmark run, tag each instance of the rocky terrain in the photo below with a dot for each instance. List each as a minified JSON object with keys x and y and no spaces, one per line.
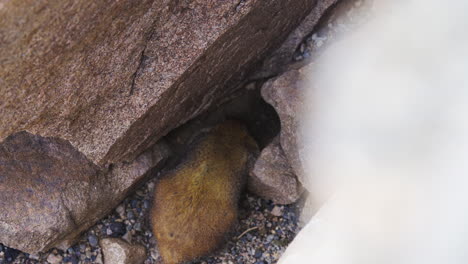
{"x":88,"y":226}
{"x":104,"y":83}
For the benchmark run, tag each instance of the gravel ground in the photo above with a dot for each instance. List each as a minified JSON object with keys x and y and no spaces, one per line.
{"x":264,"y":231}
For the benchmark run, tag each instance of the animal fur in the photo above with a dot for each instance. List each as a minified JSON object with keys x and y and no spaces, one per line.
{"x":196,"y":205}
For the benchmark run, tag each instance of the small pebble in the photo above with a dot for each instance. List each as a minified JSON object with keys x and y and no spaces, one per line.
{"x":154,"y":253}
{"x":82,"y":248}
{"x":34,"y":256}
{"x":54,"y":259}
{"x":258,"y":253}
{"x":71,"y":250}
{"x":117,"y":229}
{"x":120,"y":210}
{"x":93,"y":240}
{"x":277,"y":211}
{"x":130,"y":215}
{"x":74,"y":260}
{"x":137,"y":227}
{"x":128,"y":237}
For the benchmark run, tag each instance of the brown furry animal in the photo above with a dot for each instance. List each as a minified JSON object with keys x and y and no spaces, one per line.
{"x":195,"y":206}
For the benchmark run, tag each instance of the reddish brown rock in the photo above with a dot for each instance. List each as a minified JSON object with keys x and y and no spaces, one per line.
{"x":50,"y":192}
{"x":112,"y":77}
{"x":273,"y":178}
{"x":39,"y":180}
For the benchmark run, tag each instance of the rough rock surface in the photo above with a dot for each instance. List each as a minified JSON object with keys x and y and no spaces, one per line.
{"x":284,"y":93}
{"x":50,"y":192}
{"x":272,"y":177}
{"x":283,"y":56}
{"x":112,"y":77}
{"x":117,"y":251}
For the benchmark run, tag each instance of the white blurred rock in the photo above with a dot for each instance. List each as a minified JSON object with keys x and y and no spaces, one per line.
{"x":390,"y":142}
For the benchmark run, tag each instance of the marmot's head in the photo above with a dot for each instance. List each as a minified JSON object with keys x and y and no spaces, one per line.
{"x":235,"y":133}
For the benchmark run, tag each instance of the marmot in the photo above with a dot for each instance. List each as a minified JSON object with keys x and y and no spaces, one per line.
{"x":195,"y":205}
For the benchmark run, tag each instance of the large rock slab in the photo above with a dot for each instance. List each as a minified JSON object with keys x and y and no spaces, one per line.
{"x":112,"y":77}
{"x":50,"y":192}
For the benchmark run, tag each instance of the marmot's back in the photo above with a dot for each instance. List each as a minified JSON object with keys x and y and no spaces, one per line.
{"x":195,"y":205}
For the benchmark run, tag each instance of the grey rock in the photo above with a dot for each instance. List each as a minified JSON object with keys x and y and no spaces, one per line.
{"x":273,"y":178}
{"x":118,"y":251}
{"x":285,"y":94}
